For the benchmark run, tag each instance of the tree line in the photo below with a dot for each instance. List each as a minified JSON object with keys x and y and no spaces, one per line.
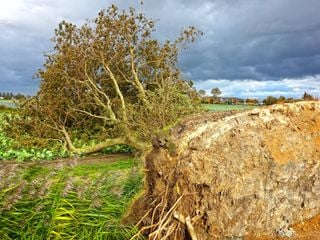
{"x":270,"y":100}
{"x":10,"y":95}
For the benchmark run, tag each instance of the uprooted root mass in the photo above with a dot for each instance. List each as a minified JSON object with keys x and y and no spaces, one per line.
{"x":251,"y":173}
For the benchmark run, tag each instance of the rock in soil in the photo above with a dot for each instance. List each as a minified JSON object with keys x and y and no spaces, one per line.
{"x":253,"y":173}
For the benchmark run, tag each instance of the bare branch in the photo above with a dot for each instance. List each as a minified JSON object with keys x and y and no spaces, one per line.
{"x":137,"y":82}
{"x":116,"y":86}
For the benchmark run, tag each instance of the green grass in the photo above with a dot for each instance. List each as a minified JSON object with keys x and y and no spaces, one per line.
{"x":84,"y":201}
{"x":226,"y":107}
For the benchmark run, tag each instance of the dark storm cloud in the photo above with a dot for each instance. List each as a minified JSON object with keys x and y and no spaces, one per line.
{"x":26,"y":28}
{"x":259,"y":40}
{"x":243,"y":39}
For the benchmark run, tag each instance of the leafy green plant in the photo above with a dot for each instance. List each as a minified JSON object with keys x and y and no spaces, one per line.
{"x":11,"y":150}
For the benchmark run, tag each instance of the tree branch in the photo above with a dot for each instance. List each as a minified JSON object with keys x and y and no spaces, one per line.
{"x":116,"y":85}
{"x":136,"y":77}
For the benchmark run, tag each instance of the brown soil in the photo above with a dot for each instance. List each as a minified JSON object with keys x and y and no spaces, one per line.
{"x":305,"y":230}
{"x":233,"y":176}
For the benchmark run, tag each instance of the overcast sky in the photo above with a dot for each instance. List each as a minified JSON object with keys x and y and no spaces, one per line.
{"x":250,"y":48}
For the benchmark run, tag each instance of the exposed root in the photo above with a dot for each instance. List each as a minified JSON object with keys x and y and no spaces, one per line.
{"x":191,"y":229}
{"x":165,"y":226}
{"x":187,"y":221}
{"x":164,"y":221}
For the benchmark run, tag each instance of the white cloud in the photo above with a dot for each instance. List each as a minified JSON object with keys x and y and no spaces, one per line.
{"x":250,"y":88}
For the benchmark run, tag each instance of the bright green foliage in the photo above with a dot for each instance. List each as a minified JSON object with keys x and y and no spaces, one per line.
{"x":10,"y":151}
{"x":60,"y":201}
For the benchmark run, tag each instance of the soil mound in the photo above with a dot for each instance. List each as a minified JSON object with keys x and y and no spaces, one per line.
{"x":222,"y":176}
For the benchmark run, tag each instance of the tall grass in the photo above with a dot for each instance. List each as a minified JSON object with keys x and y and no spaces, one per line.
{"x":63,"y":202}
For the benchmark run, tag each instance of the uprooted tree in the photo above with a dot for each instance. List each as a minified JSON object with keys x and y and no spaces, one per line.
{"x":109,"y":82}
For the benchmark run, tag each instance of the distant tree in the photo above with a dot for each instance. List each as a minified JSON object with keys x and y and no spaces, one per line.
{"x":252,"y":101}
{"x":215,"y":94}
{"x":281,"y":99}
{"x":202,"y":92}
{"x":270,"y":100}
{"x":6,"y":95}
{"x":307,"y":97}
{"x":19,"y":96}
{"x":290,"y":100}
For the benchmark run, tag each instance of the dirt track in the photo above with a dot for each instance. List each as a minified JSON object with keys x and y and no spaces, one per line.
{"x":110,"y":158}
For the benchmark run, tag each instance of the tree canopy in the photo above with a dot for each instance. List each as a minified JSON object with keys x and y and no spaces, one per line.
{"x":109,"y":82}
{"x":215,"y":92}
{"x":308,"y":97}
{"x":202,"y":92}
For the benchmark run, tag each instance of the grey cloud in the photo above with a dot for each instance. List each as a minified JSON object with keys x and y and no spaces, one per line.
{"x":243,"y":39}
{"x":26,"y":35}
{"x":260,"y":40}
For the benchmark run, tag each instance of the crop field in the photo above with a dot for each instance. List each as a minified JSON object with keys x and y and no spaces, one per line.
{"x":226,"y":107}
{"x":7,"y":103}
{"x":67,"y":199}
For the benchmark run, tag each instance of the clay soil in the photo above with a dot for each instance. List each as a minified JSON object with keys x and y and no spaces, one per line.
{"x":306,"y":230}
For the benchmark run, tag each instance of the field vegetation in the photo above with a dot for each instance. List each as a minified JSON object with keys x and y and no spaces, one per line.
{"x":6,"y":104}
{"x":67,"y":200}
{"x":226,"y":107}
{"x":11,"y":149}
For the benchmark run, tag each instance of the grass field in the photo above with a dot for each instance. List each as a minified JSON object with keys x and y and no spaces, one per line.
{"x":67,"y":200}
{"x":226,"y":107}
